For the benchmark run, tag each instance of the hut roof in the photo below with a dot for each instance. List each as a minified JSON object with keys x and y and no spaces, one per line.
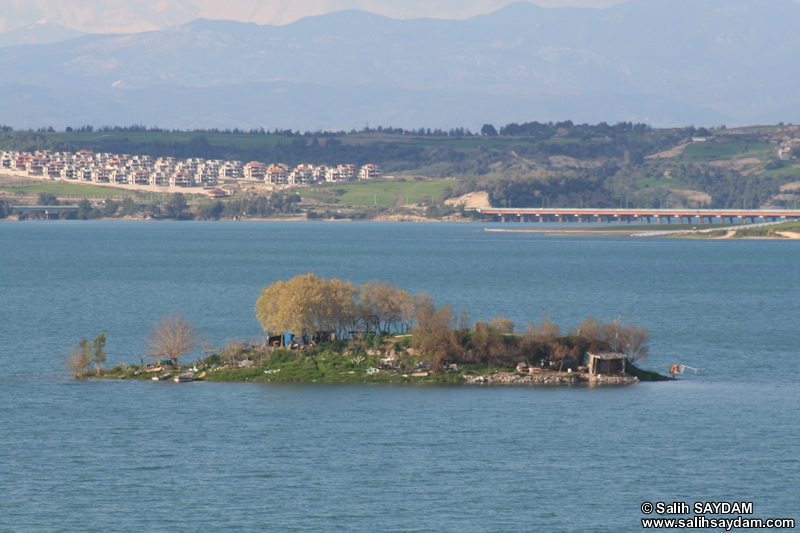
{"x":608,"y":355}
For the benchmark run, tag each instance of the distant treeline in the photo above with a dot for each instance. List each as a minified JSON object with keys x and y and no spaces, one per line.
{"x":539,"y":130}
{"x":440,"y":153}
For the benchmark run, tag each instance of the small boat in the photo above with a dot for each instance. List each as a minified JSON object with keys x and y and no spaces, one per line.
{"x":183,"y":378}
{"x":161,"y":377}
{"x":200,"y":376}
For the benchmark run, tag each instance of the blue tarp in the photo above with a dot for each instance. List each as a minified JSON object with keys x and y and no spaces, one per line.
{"x":289,"y":338}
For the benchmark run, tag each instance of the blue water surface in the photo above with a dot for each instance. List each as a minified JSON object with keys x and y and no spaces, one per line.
{"x":131,"y":456}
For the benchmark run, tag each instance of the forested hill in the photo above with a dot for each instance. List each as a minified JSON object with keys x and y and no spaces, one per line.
{"x":518,"y":164}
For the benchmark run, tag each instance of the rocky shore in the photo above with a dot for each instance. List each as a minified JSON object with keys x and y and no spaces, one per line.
{"x":511,"y":378}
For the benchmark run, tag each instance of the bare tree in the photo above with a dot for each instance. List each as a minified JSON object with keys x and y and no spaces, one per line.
{"x":83,"y":354}
{"x":173,"y":337}
{"x":627,"y":338}
{"x":79,"y":358}
{"x":502,"y":324}
{"x":545,"y":329}
{"x":634,"y":342}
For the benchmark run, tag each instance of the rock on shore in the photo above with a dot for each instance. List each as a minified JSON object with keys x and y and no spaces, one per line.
{"x":510,"y":378}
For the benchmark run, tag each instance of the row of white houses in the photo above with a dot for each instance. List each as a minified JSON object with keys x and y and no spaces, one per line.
{"x":168,"y":171}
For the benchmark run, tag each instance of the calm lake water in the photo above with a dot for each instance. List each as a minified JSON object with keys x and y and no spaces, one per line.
{"x":122,"y":456}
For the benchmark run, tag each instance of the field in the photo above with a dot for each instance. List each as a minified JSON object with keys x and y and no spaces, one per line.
{"x":788,"y":170}
{"x":726,"y":150}
{"x":656,"y":182}
{"x":383,"y":193}
{"x":66,"y":189}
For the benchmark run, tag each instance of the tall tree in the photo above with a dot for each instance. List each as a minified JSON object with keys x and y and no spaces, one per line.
{"x":85,"y":210}
{"x":295,"y":305}
{"x":128,"y":207}
{"x":79,"y":358}
{"x":99,"y":351}
{"x":176,"y":206}
{"x":337,"y":311}
{"x":382,"y":305}
{"x":415,"y":307}
{"x":171,"y":338}
{"x":47,"y":199}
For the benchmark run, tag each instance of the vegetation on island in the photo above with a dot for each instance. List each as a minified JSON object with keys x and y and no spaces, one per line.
{"x":83,"y":354}
{"x":329,"y":330}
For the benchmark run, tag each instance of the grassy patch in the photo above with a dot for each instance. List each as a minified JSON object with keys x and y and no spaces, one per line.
{"x":383,"y":193}
{"x":726,"y":150}
{"x":572,"y":140}
{"x":645,"y":375}
{"x":67,"y":189}
{"x":659,"y":182}
{"x":768,"y":231}
{"x":788,"y":171}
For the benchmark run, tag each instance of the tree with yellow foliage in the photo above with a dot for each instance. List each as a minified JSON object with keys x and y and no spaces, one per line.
{"x":306,"y":304}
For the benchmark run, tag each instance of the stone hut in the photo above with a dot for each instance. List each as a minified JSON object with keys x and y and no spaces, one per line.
{"x":606,"y":363}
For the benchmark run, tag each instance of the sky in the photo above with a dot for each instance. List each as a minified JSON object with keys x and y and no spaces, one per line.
{"x":130,"y":16}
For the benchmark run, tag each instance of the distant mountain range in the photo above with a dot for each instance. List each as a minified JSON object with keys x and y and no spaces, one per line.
{"x":702,"y":62}
{"x":42,"y":32}
{"x":132,"y":16}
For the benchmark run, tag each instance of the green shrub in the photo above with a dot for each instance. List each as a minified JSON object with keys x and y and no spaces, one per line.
{"x":213,"y":359}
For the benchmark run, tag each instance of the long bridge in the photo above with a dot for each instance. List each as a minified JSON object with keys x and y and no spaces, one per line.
{"x":641,"y":216}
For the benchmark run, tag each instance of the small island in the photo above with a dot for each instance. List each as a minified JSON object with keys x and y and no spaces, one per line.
{"x":330,"y":331}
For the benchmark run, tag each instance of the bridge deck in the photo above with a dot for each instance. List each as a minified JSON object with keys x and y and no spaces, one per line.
{"x":563,"y":214}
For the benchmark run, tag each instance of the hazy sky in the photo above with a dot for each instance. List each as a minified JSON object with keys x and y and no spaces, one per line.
{"x":123,"y":16}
